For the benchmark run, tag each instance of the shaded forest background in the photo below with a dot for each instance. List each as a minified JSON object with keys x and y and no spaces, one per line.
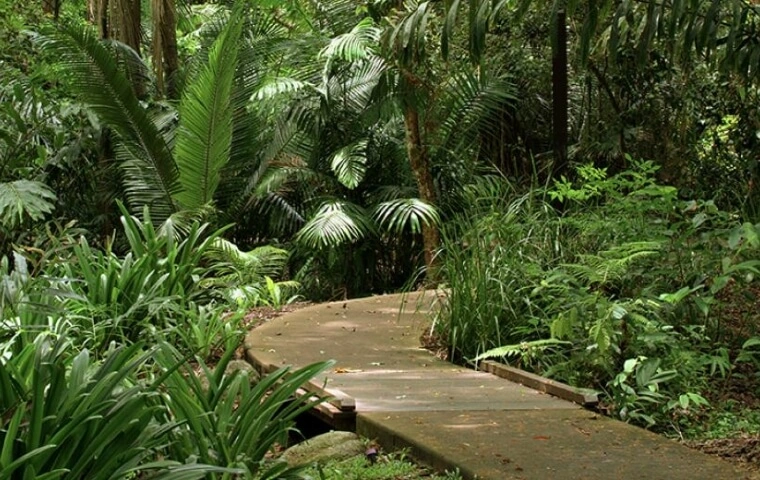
{"x":583,"y":178}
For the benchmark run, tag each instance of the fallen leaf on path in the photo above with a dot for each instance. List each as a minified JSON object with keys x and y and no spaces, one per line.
{"x":541,"y":437}
{"x":347,"y":370}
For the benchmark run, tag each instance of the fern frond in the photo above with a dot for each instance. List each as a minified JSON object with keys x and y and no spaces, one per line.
{"x":520,"y":349}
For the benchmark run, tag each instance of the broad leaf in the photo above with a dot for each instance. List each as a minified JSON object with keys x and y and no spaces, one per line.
{"x":24,"y":198}
{"x":350,"y":163}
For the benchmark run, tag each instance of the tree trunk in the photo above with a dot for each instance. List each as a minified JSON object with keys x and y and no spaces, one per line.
{"x":52,"y":7}
{"x":165,"y":56}
{"x":130,"y":26}
{"x":420,"y":163}
{"x":559,"y":91}
{"x":102,"y":18}
{"x":48,"y":6}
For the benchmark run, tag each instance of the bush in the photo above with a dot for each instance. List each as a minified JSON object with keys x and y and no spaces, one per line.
{"x":610,"y":283}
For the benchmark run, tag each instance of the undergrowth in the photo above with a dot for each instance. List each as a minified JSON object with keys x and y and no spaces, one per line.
{"x":395,"y":466}
{"x":608,"y":282}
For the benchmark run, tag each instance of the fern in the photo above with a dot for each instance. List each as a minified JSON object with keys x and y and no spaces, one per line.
{"x":612,"y":264}
{"x":521,"y":349}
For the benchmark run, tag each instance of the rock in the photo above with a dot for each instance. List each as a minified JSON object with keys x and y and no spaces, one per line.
{"x":245,"y":367}
{"x":328,"y":446}
{"x":232,"y":367}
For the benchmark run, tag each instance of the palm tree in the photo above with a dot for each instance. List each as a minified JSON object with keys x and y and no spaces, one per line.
{"x":369,"y":128}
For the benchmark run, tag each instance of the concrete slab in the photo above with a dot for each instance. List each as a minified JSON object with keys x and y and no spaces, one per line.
{"x":453,"y":417}
{"x":531,"y":445}
{"x":380,"y":361}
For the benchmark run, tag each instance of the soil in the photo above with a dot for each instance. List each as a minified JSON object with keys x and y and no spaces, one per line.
{"x":260,"y":315}
{"x":743,"y":450}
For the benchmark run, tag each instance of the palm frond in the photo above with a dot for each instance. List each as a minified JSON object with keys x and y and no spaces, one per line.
{"x":407,"y":39}
{"x":475,"y":108}
{"x":358,"y":90}
{"x":357,"y":44}
{"x":251,"y":266}
{"x":350,"y":163}
{"x":94,"y":75}
{"x":24,"y":198}
{"x":205,"y":129}
{"x":276,"y":86}
{"x":397,"y":215}
{"x":335,"y":223}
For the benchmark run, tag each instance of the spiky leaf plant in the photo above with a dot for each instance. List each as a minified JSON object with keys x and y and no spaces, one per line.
{"x":65,"y":415}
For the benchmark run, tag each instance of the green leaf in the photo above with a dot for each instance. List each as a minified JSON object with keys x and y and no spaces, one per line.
{"x":402,"y":213}
{"x":95,"y":75}
{"x":335,"y":223}
{"x":205,"y":120}
{"x":24,"y":198}
{"x":350,"y":163}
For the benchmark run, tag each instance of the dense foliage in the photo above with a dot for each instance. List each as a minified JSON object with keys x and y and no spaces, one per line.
{"x":165,"y":166}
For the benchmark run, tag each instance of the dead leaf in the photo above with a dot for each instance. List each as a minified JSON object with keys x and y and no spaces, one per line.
{"x":347,"y":370}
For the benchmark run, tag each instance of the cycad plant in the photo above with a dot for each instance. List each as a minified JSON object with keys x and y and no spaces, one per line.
{"x":168,"y":164}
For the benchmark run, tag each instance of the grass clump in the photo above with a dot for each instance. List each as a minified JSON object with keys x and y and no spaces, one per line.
{"x":394,"y":466}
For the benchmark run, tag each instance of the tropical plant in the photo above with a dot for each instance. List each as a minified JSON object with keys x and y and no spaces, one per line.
{"x":598,"y":294}
{"x":228,"y":422}
{"x":151,"y":285}
{"x":167,"y":172}
{"x":65,"y":415}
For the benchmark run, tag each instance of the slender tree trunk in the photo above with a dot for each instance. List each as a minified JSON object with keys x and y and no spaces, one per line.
{"x":102,"y":18}
{"x":52,"y":7}
{"x":129,"y":28}
{"x":420,"y":163}
{"x":92,"y":11}
{"x":171,"y":55}
{"x":559,"y":91}
{"x":165,"y":56}
{"x":125,"y":23}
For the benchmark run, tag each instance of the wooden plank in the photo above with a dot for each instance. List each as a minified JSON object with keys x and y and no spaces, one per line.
{"x":335,"y":397}
{"x":536,"y":382}
{"x":337,"y":409}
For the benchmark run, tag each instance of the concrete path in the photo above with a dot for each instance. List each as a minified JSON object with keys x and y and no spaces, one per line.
{"x":454,"y":418}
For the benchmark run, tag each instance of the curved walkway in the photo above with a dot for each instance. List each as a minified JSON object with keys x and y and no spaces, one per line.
{"x":388,"y":387}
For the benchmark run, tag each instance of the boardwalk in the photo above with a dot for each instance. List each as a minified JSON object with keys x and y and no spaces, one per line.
{"x":453,"y":417}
